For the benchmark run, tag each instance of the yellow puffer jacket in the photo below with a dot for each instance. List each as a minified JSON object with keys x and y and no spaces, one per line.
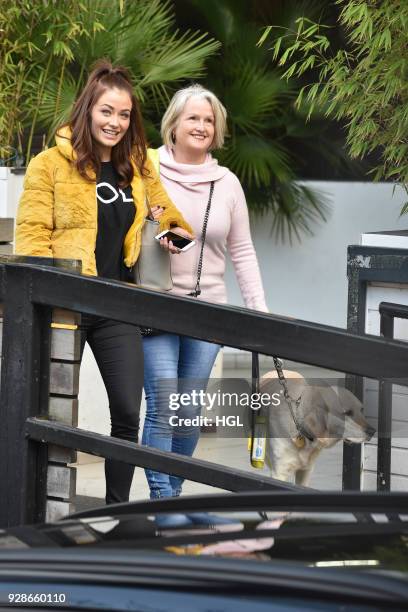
{"x":58,"y":211}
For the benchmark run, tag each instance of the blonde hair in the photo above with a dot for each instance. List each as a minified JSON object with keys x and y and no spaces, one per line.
{"x":176,"y":106}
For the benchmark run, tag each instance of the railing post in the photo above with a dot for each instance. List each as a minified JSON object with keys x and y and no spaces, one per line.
{"x":24,"y":393}
{"x":351,"y":478}
{"x":384,"y":416}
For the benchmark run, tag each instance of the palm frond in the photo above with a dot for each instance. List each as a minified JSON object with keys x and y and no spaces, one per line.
{"x":65,"y":92}
{"x":224,"y":17}
{"x":254,"y":95}
{"x":146,"y":42}
{"x":256,"y":162}
{"x":180,"y":57}
{"x":296,"y":210}
{"x":125,"y":37}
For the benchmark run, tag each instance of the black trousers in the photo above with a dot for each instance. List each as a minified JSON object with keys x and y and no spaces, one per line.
{"x":117,"y":348}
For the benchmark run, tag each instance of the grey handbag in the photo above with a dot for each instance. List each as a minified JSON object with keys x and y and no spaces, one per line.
{"x":152,"y":268}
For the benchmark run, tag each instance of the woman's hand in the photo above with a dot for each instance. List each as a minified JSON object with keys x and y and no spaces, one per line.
{"x":169,"y":246}
{"x":157,"y":212}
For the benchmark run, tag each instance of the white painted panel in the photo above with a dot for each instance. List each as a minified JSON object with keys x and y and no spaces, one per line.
{"x":373,"y":319}
{"x":372,"y":385}
{"x":372,"y":323}
{"x":384,"y":240}
{"x":381,"y":292}
{"x":369,"y":482}
{"x":15,"y":189}
{"x":399,"y":460}
{"x":11,"y":187}
{"x":370,"y":457}
{"x":399,"y":406}
{"x":397,"y":442}
{"x":3,"y":196}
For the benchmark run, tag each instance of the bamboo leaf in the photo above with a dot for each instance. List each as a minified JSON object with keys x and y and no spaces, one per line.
{"x":264,"y":36}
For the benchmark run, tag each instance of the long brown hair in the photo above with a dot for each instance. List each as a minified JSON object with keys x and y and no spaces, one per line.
{"x":132,"y":146}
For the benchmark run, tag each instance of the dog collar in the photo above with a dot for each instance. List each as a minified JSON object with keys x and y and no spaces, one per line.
{"x":303,"y":432}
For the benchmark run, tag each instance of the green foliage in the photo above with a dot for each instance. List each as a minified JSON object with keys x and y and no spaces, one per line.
{"x":47,"y":47}
{"x":262,"y":120}
{"x":36,"y":37}
{"x":363,"y":83}
{"x":50,"y":46}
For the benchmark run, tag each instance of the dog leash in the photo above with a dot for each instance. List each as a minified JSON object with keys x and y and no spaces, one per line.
{"x":303,"y":433}
{"x":257,"y":440}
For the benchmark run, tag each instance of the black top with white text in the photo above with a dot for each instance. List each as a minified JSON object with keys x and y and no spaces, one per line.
{"x":116,"y":213}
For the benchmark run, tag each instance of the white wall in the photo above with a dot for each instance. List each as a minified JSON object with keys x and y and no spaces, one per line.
{"x":93,"y":411}
{"x":11,"y":186}
{"x":3,"y":191}
{"x":308,"y":280}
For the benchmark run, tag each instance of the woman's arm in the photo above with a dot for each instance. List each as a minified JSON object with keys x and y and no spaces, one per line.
{"x":171,"y":216}
{"x":243,"y":254}
{"x":34,"y":223}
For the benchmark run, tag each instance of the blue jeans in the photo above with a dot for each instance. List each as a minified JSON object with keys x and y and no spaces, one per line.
{"x":172,"y":364}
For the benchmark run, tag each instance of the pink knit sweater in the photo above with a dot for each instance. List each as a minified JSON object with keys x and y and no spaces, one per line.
{"x":188,"y":185}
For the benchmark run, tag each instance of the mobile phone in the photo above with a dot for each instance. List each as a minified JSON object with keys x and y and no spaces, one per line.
{"x":180,"y":242}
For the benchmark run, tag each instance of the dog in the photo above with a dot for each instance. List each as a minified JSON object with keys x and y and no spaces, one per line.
{"x":325,"y":414}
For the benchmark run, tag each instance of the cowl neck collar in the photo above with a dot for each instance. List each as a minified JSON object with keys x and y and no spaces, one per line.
{"x":189,"y":173}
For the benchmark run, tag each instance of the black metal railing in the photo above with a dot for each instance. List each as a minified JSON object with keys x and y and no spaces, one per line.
{"x":29,"y":292}
{"x":366,"y":265}
{"x":388,"y":312}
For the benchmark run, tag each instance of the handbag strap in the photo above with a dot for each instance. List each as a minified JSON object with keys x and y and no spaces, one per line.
{"x":197,"y":290}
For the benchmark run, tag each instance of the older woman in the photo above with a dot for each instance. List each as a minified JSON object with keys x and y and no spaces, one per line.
{"x":194,"y":125}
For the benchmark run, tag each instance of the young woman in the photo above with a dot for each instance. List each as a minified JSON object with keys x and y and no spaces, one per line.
{"x":85,"y":199}
{"x":193,"y":125}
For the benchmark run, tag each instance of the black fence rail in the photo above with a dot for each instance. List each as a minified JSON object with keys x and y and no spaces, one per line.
{"x":28,"y":294}
{"x":388,"y":312}
{"x":366,"y":265}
